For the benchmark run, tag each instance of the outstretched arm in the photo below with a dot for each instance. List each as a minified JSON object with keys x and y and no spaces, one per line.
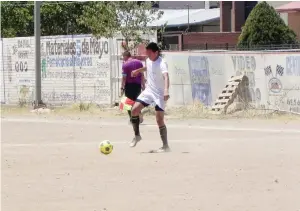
{"x":143,"y":81}
{"x":137,"y":71}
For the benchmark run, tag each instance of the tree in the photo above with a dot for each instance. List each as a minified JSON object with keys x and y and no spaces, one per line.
{"x":57,"y":18}
{"x":16,"y":19}
{"x":130,"y":18}
{"x":264,"y":27}
{"x":60,"y":18}
{"x":103,"y":19}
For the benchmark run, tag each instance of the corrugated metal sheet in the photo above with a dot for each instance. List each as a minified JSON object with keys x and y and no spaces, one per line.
{"x":180,"y":17}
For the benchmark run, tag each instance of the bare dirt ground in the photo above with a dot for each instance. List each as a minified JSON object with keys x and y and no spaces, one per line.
{"x":53,"y":164}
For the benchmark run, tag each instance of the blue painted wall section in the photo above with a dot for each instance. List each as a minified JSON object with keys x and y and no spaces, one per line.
{"x":200,"y":79}
{"x":293,"y":65}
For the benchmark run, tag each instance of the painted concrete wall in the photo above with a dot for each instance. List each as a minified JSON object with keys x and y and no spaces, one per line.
{"x":274,"y":79}
{"x":83,"y":69}
{"x":75,"y":68}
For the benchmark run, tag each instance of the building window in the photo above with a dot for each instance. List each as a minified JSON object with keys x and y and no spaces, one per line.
{"x":249,"y":5}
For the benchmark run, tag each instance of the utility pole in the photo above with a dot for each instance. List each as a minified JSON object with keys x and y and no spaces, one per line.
{"x":37,"y":58}
{"x":188,"y":7}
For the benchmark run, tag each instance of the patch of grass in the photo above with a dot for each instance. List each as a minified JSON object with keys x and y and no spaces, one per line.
{"x":88,"y":109}
{"x":196,"y":111}
{"x":14,"y":110}
{"x":264,"y":114}
{"x":77,"y":107}
{"x":199,"y":111}
{"x":84,"y":106}
{"x":22,"y":103}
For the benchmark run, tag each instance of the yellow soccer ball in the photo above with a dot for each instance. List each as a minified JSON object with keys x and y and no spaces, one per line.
{"x":106,"y":147}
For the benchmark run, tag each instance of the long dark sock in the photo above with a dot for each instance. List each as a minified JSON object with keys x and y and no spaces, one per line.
{"x":129,"y":114}
{"x":163,"y":135}
{"x":135,"y":120}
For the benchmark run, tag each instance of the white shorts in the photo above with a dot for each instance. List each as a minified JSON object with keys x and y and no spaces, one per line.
{"x":147,"y":97}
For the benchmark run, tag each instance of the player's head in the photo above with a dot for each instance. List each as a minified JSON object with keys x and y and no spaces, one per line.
{"x":152,"y":51}
{"x":126,"y":55}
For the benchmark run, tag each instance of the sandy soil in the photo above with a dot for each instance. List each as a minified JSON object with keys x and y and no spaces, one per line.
{"x":55,"y":165}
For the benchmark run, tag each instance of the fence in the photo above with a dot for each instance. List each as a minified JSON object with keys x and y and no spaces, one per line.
{"x":216,"y":41}
{"x":227,"y":46}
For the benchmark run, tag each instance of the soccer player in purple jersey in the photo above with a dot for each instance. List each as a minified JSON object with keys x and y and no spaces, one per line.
{"x":132,"y":86}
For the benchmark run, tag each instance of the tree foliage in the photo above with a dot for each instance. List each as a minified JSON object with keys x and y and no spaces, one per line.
{"x":264,"y":27}
{"x":103,"y":19}
{"x":130,"y":18}
{"x":100,"y":18}
{"x":16,"y":19}
{"x":57,"y":18}
{"x":60,"y":18}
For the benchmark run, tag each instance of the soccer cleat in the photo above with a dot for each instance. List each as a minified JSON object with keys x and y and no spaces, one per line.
{"x":162,"y":149}
{"x":141,"y":119}
{"x":135,"y":140}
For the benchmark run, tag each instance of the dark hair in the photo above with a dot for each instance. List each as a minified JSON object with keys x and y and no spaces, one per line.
{"x":152,"y":46}
{"x":127,"y":53}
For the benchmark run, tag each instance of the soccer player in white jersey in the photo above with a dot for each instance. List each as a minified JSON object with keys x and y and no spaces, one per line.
{"x":156,"y":91}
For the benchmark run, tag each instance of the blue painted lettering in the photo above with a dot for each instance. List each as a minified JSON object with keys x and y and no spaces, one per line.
{"x":69,"y":61}
{"x":78,"y":47}
{"x":244,"y":63}
{"x":293,"y":65}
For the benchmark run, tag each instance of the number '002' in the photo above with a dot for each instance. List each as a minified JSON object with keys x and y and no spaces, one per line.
{"x":21,"y":66}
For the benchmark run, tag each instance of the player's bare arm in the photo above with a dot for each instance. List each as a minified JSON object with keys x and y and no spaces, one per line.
{"x":167,"y":85}
{"x":137,"y":71}
{"x":143,"y":81}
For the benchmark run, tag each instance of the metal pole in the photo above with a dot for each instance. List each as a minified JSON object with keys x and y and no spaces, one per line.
{"x":37,"y":37}
{"x":112,"y":76}
{"x":188,"y":17}
{"x":74,"y":73}
{"x":3,"y":73}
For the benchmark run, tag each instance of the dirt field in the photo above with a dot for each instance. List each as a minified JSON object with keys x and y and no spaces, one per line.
{"x":227,"y":165}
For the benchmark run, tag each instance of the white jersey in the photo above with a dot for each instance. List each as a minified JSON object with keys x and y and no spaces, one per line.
{"x":155,"y":79}
{"x":154,"y":92}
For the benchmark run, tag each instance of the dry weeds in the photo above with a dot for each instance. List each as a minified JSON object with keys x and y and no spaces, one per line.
{"x":196,"y":111}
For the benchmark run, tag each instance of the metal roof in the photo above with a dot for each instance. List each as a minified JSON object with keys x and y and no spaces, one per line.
{"x":180,"y":17}
{"x":289,"y":7}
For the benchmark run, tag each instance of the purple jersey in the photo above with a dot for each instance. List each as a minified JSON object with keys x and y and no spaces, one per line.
{"x":128,"y":67}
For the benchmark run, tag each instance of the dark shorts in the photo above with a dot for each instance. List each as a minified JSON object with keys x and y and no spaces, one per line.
{"x":132,"y":90}
{"x":157,"y":108}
